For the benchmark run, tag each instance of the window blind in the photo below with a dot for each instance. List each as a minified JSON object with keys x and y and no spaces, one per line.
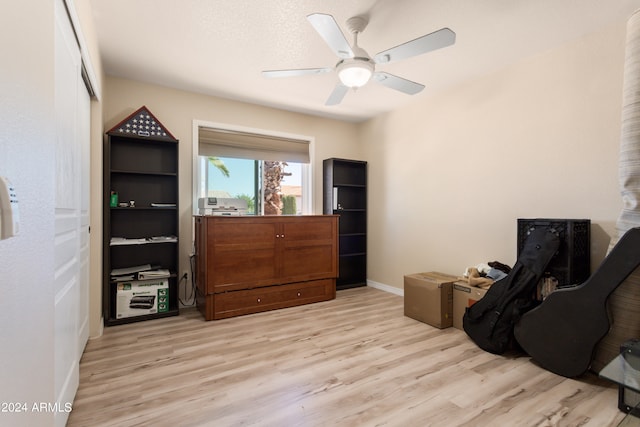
{"x":246,"y":145}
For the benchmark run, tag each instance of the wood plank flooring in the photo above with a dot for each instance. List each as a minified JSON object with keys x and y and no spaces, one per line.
{"x":353,"y":361}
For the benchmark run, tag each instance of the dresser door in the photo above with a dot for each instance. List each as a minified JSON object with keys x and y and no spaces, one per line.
{"x":308,"y":248}
{"x":241,"y":253}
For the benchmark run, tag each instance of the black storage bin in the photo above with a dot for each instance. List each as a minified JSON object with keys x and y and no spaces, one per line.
{"x":572,"y":264}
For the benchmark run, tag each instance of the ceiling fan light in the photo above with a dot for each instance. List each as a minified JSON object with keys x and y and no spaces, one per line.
{"x":355,"y":74}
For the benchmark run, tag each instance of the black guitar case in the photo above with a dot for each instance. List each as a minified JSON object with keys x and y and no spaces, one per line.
{"x":490,"y":321}
{"x":561,"y":333}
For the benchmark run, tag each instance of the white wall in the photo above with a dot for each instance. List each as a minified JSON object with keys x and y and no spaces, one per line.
{"x":177,"y":109}
{"x":450,"y":174}
{"x":27,"y":159}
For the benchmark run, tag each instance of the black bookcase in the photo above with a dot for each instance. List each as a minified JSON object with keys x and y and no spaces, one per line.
{"x":345,"y":194}
{"x":141,"y":167}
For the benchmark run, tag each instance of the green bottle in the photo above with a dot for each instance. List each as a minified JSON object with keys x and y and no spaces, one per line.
{"x":113,"y":202}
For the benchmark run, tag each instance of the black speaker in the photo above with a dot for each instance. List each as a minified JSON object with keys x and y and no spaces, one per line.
{"x":572,"y":264}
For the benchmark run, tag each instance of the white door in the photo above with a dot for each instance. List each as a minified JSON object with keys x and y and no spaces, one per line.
{"x":72,"y":107}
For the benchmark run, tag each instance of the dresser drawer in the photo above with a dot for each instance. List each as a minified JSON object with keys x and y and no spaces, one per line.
{"x":235,"y":303}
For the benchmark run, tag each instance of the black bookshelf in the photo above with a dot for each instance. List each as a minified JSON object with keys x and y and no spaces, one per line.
{"x":141,"y":166}
{"x":345,"y":194}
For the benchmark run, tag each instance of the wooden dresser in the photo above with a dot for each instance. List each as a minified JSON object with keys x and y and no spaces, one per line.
{"x":251,"y":264}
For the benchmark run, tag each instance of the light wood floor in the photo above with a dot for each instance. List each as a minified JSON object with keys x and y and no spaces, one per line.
{"x":353,"y":361}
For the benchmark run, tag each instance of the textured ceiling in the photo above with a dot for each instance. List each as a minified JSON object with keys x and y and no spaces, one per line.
{"x":219,"y":47}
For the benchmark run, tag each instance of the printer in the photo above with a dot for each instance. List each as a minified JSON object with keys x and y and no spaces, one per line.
{"x":221,"y":206}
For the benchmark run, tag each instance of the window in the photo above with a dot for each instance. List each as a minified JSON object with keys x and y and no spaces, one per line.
{"x":269,"y":171}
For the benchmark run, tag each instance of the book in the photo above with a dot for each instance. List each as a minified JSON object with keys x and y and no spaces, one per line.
{"x":130,"y":270}
{"x":123,"y":241}
{"x":153,"y":274}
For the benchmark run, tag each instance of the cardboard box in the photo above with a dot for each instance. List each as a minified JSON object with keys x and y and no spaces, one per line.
{"x":464,"y":296}
{"x":428,"y":298}
{"x":142,"y":297}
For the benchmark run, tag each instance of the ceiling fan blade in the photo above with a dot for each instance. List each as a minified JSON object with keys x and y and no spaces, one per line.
{"x":330,"y":32}
{"x":337,"y":95}
{"x":398,"y":83}
{"x":294,"y":73}
{"x":436,"y":40}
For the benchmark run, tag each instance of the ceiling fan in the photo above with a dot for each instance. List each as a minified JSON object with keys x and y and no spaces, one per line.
{"x":355,"y":67}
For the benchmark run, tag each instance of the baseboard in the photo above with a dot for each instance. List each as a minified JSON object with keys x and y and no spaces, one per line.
{"x":100,"y":330}
{"x":386,"y":288}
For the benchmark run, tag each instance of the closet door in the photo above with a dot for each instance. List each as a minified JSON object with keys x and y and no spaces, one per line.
{"x":84,"y":135}
{"x":70,"y":304}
